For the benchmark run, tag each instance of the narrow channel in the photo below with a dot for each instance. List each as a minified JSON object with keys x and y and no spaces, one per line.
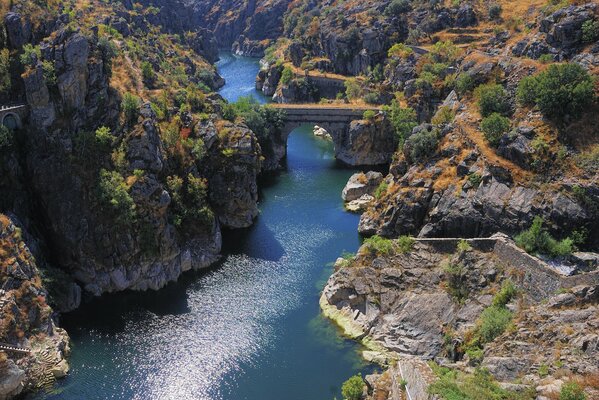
{"x":249,"y":328}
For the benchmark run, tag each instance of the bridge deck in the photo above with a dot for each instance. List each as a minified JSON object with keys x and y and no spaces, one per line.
{"x":8,"y":347}
{"x":318,"y":106}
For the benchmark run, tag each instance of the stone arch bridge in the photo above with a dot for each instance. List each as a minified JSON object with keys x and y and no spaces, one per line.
{"x":335,"y":119}
{"x":12,"y":116}
{"x":363,"y":144}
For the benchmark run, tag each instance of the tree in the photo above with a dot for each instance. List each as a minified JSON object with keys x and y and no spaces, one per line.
{"x":561,"y":90}
{"x":423,"y":144}
{"x":494,"y":126}
{"x":115,"y":195}
{"x":6,"y":137}
{"x":148,"y":74}
{"x":31,"y":55}
{"x":492,"y":98}
{"x":353,"y":89}
{"x":286,"y":76}
{"x":402,"y":119}
{"x":5,"y":82}
{"x":130,"y":105}
{"x":353,"y":388}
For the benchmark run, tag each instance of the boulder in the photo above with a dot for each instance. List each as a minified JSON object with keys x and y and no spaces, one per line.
{"x":360,"y":184}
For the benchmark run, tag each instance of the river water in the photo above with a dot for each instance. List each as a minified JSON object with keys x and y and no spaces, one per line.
{"x":250,"y":327}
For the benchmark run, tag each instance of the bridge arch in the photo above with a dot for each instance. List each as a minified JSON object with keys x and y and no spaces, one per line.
{"x":12,"y":121}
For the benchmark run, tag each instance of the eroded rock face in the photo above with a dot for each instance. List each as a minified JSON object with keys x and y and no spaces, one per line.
{"x":367,"y":142}
{"x":18,"y":28}
{"x":27,"y":318}
{"x":232,"y":179}
{"x":360,"y":184}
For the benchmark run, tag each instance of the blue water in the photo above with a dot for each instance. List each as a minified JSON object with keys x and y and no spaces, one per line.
{"x":240,"y":75}
{"x":250,"y":328}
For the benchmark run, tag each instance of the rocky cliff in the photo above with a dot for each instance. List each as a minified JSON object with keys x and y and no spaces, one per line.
{"x":431,"y":300}
{"x":27,"y":320}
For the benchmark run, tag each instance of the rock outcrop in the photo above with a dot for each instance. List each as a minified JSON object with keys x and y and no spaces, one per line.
{"x":27,"y":320}
{"x":367,"y":142}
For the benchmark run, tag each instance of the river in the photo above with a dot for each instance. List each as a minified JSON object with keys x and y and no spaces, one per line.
{"x":250,"y":327}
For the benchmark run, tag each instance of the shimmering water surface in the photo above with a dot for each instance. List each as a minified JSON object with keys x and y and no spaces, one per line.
{"x":250,"y":327}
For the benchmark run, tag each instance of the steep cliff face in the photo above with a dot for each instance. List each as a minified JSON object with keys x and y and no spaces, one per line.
{"x":129,"y":193}
{"x":435,"y":300}
{"x":247,"y":27}
{"x":27,"y":320}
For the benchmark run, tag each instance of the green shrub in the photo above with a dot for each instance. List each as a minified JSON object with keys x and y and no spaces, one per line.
{"x":400,"y":50}
{"x":130,"y":105}
{"x":559,"y":91}
{"x":505,"y":295}
{"x":543,"y":370}
{"x":403,"y":120}
{"x":147,"y":73}
{"x":372,"y":98}
{"x":286,"y":76}
{"x":381,"y":190}
{"x":475,"y":179}
{"x":423,"y":144}
{"x":5,"y":80}
{"x":590,"y":30}
{"x":494,"y":126}
{"x":493,"y":322}
{"x":104,"y":137}
{"x":353,"y":388}
{"x":353,"y":89}
{"x":31,"y":55}
{"x":377,"y":245}
{"x":546,"y":58}
{"x":369,"y":115}
{"x":114,"y":194}
{"x":537,"y":240}
{"x":492,"y":98}
{"x":464,"y":83}
{"x":571,"y":391}
{"x":495,"y":11}
{"x":445,"y":115}
{"x":398,"y":7}
{"x":453,"y":385}
{"x":49,"y":73}
{"x":405,"y":244}
{"x":463,"y":246}
{"x":6,"y":137}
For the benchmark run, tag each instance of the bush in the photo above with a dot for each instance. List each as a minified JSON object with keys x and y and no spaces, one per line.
{"x":455,"y":282}
{"x":571,"y":391}
{"x":423,"y":144}
{"x":147,"y":73}
{"x":402,"y":119}
{"x":130,"y":105}
{"x":353,"y":388}
{"x":492,"y":98}
{"x":590,"y":30}
{"x":353,"y":90}
{"x":494,"y":126}
{"x":31,"y":55}
{"x":264,"y":121}
{"x":377,"y":245}
{"x":49,"y":73}
{"x":372,"y":98}
{"x":369,"y":115}
{"x":495,"y":11}
{"x":463,"y":246}
{"x":464,"y":83}
{"x":405,"y":244}
{"x":398,"y":7}
{"x":536,"y":240}
{"x":475,"y":179}
{"x":559,"y":91}
{"x":546,"y":58}
{"x":400,"y":50}
{"x":381,"y":189}
{"x":505,"y":294}
{"x":115,"y":195}
{"x":5,"y":81}
{"x":444,"y":115}
{"x":6,"y":137}
{"x":452,"y":385}
{"x":104,"y":137}
{"x":286,"y":76}
{"x":493,"y":322}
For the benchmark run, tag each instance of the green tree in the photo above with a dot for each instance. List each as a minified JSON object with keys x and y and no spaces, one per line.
{"x":423,"y":144}
{"x":403,"y":120}
{"x":148,"y":74}
{"x":353,"y":388}
{"x":6,"y":137}
{"x":559,"y":91}
{"x":5,"y":82}
{"x":492,"y":98}
{"x":31,"y":55}
{"x":286,"y":76}
{"x":114,"y":194}
{"x":130,"y":106}
{"x":494,"y":126}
